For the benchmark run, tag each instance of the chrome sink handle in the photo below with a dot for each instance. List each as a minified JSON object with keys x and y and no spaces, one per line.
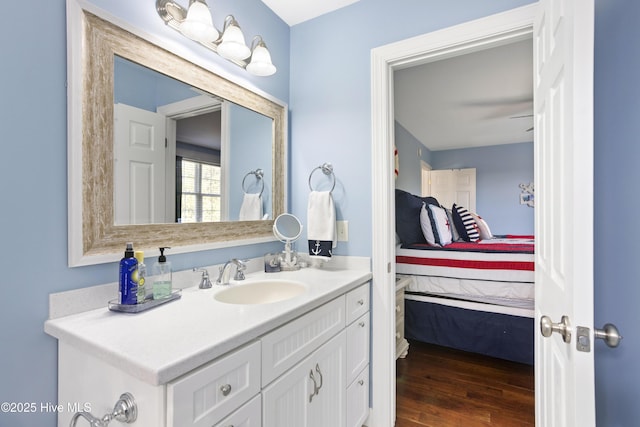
{"x":241,"y":266}
{"x":205,"y":282}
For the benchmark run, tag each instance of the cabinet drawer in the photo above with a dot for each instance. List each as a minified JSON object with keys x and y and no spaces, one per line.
{"x":205,"y":396}
{"x":357,"y":302}
{"x":249,"y":415}
{"x":358,"y":334}
{"x":289,"y":344}
{"x":358,"y":400}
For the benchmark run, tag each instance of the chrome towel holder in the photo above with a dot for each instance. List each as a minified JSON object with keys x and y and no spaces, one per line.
{"x":125,"y":411}
{"x":326,"y":169}
{"x":258,"y":173}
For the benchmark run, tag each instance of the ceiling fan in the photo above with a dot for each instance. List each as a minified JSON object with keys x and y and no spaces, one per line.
{"x":522,"y":117}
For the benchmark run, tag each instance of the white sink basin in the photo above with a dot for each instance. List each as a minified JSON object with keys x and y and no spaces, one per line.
{"x":261,"y":292}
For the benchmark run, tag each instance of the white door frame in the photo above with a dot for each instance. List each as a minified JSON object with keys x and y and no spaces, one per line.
{"x":476,"y":35}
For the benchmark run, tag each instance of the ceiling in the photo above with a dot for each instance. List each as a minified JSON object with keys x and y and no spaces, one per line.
{"x":296,"y":11}
{"x":471,"y":100}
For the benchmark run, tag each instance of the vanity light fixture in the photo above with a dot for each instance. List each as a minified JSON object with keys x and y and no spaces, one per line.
{"x":196,"y":23}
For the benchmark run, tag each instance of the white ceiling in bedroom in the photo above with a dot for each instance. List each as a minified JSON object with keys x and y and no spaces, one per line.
{"x":469,"y":100}
{"x":296,"y":11}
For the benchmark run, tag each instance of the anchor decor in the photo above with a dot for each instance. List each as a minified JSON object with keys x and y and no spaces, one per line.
{"x":320,"y":248}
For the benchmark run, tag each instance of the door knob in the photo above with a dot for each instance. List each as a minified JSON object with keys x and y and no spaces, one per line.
{"x":609,"y":333}
{"x":547,"y":327}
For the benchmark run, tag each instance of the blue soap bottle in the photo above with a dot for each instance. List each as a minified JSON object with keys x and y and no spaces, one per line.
{"x":128,"y":288}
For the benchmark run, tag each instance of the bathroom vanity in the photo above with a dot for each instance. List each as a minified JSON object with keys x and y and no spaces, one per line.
{"x":197,"y":361}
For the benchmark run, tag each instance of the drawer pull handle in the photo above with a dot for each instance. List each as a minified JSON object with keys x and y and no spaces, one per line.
{"x":361,"y":382}
{"x":225,"y":389}
{"x":319,"y":373}
{"x":315,"y":385}
{"x":361,"y":324}
{"x":361,"y":302}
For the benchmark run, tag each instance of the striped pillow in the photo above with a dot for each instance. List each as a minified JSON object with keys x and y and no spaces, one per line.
{"x":465,"y":224}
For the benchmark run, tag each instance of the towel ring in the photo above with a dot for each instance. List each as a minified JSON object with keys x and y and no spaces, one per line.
{"x":258,"y":174}
{"x":326,"y":169}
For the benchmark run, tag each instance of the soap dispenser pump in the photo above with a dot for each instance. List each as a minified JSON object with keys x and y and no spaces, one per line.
{"x":162,"y":284}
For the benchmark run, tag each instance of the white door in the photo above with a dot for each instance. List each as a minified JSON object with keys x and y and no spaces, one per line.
{"x":139,"y":166}
{"x":451,"y":186}
{"x":563,"y":85}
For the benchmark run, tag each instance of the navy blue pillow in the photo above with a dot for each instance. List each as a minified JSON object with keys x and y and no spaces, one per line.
{"x":408,"y":208}
{"x":465,"y":224}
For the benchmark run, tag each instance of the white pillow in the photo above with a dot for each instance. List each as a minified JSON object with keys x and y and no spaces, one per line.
{"x":483,"y":227}
{"x":435,"y":225}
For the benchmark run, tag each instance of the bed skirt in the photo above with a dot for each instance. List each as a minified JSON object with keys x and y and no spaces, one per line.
{"x":498,"y":335}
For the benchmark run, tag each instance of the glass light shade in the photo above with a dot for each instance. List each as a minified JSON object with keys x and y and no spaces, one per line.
{"x":233,"y":46}
{"x":198,"y":24}
{"x":260,"y":64}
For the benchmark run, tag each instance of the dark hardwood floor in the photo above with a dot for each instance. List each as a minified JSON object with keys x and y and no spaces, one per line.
{"x":441,"y":387}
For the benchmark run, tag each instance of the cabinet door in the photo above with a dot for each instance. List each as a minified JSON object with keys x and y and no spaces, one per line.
{"x":312,"y":393}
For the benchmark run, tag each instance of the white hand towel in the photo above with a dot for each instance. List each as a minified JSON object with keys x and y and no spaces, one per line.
{"x":321,"y":224}
{"x":251,"y":209}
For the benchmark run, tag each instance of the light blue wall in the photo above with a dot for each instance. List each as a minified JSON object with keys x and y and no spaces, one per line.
{"x":33,"y":180}
{"x":410,"y":152}
{"x":499,"y":171}
{"x":147,"y":89}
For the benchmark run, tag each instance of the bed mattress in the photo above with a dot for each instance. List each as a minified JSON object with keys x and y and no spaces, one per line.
{"x":496,"y":271}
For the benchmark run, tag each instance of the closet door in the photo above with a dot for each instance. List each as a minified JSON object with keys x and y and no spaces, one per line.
{"x":457,"y":186}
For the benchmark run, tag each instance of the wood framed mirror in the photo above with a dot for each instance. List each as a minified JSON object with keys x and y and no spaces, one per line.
{"x":94,"y":238}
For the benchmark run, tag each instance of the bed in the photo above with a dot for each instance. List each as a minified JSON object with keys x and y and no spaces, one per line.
{"x":475,"y":296}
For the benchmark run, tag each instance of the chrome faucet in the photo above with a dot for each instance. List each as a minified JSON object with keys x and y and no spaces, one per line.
{"x":225,"y":271}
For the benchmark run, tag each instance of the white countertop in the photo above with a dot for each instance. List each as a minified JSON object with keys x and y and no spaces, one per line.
{"x":168,"y":341}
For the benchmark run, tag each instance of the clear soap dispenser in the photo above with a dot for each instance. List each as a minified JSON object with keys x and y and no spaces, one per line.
{"x":162,"y":276}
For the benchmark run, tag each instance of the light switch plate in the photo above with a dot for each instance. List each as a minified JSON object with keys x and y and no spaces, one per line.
{"x":343,"y":231}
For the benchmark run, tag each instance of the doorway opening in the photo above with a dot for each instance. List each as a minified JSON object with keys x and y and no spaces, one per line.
{"x":469,"y":37}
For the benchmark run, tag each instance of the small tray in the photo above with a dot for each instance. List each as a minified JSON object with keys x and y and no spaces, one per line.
{"x":148,"y":303}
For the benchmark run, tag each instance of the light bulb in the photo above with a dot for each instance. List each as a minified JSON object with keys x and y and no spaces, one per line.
{"x":198,"y":24}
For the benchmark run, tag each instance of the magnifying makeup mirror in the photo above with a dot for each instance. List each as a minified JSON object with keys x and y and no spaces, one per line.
{"x":287,"y":228}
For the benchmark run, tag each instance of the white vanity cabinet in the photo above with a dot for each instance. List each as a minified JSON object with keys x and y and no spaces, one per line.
{"x":328,"y":386}
{"x":312,"y":371}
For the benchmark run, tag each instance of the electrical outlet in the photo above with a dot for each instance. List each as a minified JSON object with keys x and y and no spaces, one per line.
{"x":343,"y":230}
